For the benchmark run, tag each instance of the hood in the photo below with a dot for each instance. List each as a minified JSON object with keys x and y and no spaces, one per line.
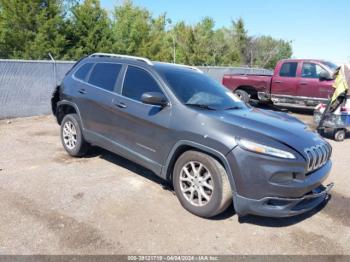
{"x":275,"y":125}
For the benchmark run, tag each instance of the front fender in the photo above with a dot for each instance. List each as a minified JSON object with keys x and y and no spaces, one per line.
{"x":166,"y":169}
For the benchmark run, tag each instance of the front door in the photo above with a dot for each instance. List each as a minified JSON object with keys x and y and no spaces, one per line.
{"x":309,"y":84}
{"x":143,"y":127}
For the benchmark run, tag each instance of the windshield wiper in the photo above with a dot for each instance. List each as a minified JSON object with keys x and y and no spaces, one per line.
{"x":233,"y":108}
{"x":202,"y":106}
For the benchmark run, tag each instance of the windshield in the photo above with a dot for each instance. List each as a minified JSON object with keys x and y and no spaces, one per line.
{"x":196,"y":89}
{"x":331,"y":65}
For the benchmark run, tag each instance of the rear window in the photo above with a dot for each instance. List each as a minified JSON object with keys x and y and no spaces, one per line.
{"x":104,"y":75}
{"x":289,"y":69}
{"x":83,"y":71}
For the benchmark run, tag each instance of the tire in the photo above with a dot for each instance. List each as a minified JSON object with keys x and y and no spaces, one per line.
{"x":243,"y":95}
{"x":219,"y":191}
{"x":339,"y":135}
{"x":73,"y":141}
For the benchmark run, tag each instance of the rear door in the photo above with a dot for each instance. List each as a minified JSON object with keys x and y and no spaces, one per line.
{"x":310,"y":86}
{"x":143,"y":127}
{"x":96,"y":95}
{"x":285,"y":81}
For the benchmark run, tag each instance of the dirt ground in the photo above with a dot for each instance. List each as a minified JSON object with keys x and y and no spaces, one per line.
{"x":51,"y":203}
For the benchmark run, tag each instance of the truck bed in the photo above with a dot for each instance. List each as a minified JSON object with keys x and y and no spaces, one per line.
{"x":261,"y":83}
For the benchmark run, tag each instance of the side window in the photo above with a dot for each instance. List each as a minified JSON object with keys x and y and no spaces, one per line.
{"x":83,"y":71}
{"x":137,"y":81}
{"x":104,"y":75}
{"x":311,"y":70}
{"x":289,"y":69}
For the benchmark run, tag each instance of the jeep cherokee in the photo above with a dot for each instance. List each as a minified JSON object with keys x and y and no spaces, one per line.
{"x":190,"y":130}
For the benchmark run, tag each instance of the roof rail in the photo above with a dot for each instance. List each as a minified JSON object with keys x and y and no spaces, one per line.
{"x":147,"y":61}
{"x":186,"y":66}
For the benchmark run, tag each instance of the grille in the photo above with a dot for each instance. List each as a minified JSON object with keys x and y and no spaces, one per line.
{"x":317,"y":156}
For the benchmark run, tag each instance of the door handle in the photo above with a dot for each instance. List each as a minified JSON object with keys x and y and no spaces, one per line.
{"x":303,"y":83}
{"x":82,"y":91}
{"x":278,"y":82}
{"x":120,"y":105}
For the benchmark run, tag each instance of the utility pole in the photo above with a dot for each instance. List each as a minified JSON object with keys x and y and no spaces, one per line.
{"x":172,"y":31}
{"x":54,"y":68}
{"x":174,"y":48}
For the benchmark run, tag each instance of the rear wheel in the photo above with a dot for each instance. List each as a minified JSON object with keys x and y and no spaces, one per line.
{"x":339,"y":135}
{"x":243,"y":95}
{"x":201,"y":184}
{"x":72,"y":137}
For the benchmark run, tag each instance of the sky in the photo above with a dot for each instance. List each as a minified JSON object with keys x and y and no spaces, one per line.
{"x":318,"y":29}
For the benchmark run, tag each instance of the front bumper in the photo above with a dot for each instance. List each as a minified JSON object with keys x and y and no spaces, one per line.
{"x":273,"y":187}
{"x":282,"y":207}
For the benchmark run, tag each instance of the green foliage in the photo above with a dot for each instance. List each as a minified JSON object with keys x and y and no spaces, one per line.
{"x":29,"y":29}
{"x":265,"y":51}
{"x":70,"y":29}
{"x":131,"y":29}
{"x":158,"y":44}
{"x":88,"y":30}
{"x":240,"y":39}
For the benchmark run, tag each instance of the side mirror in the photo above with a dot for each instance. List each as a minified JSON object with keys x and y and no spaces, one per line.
{"x":154,"y":98}
{"x":325,"y":76}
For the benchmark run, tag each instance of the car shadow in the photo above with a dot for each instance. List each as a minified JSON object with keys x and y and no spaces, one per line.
{"x":229,"y":213}
{"x":127,"y":164}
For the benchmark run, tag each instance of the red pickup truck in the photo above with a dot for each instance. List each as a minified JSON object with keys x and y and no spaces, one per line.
{"x":294,"y":81}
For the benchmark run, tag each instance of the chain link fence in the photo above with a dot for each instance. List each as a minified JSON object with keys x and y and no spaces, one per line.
{"x":26,"y":86}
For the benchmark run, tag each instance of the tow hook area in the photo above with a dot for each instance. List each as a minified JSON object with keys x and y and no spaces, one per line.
{"x":322,"y":190}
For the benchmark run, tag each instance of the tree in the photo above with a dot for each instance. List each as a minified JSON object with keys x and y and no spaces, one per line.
{"x":30,"y":29}
{"x":265,"y":51}
{"x":131,"y":29}
{"x":240,"y":39}
{"x":225,"y":52}
{"x":158,"y":44}
{"x":88,"y":30}
{"x":203,"y":46}
{"x":71,"y":29}
{"x":184,"y":42}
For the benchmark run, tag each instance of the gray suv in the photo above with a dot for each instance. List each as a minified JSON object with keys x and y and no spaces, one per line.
{"x":192,"y":131}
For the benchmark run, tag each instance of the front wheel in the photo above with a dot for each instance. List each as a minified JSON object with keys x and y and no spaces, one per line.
{"x":201,"y":184}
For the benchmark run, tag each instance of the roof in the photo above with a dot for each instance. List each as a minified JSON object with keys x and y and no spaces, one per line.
{"x":141,"y":59}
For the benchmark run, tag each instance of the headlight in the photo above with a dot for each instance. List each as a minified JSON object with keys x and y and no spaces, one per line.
{"x":262,"y":149}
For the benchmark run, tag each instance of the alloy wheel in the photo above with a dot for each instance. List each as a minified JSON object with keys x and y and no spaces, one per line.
{"x":196,"y":183}
{"x":69,"y":135}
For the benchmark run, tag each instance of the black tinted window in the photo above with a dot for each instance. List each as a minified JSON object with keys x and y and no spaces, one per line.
{"x":104,"y":75}
{"x":82,"y":72}
{"x":196,"y":88}
{"x":289,"y":69}
{"x":137,"y":82}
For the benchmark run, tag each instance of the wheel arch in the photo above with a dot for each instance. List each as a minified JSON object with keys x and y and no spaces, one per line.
{"x":183,"y":146}
{"x":66,"y":107}
{"x":249,"y":89}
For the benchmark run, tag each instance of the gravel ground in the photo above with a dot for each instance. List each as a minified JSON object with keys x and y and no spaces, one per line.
{"x":103,"y":204}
